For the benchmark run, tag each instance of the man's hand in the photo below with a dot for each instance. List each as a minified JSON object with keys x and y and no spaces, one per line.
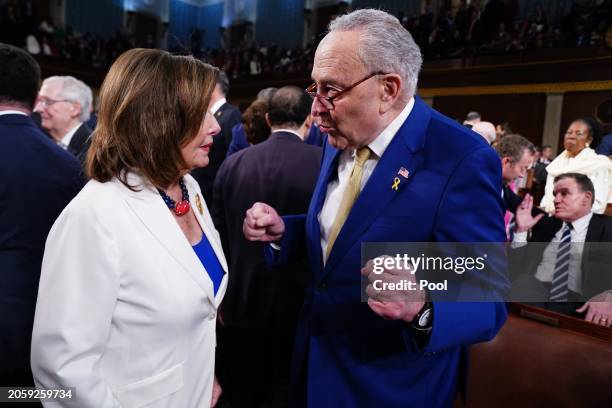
{"x":393,"y":304}
{"x":216,"y":392}
{"x":598,"y":309}
{"x":262,"y":223}
{"x":524,"y":220}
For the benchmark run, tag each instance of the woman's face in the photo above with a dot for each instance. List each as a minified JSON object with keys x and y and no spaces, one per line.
{"x":576,"y":138}
{"x":195,"y":153}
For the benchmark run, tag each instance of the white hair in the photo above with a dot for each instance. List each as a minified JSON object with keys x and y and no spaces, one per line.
{"x":384,"y":44}
{"x":486,"y":130}
{"x":75,"y":91}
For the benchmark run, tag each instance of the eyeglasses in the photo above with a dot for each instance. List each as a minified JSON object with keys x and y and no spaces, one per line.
{"x":328,"y":101}
{"x":46,"y":102}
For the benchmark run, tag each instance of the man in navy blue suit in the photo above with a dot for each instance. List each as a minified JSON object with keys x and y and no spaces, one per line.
{"x":393,"y":170}
{"x":37,"y":180}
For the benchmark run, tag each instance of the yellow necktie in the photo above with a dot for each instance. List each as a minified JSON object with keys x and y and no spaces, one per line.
{"x":351,"y":193}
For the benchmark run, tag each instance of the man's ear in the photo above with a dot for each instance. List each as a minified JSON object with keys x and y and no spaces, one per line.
{"x":308,"y":122}
{"x":392,"y":85}
{"x":76,"y":110}
{"x":268,"y":120}
{"x":588,"y":196}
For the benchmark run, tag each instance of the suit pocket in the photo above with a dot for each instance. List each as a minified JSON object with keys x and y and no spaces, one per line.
{"x":151,"y":389}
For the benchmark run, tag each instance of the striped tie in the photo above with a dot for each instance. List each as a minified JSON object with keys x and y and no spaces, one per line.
{"x":559,"y":289}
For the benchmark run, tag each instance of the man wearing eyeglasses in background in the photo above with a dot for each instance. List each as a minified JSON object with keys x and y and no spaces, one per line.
{"x":64,"y":104}
{"x":393,"y":170}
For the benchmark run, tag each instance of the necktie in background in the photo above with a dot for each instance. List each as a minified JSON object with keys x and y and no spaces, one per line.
{"x":350,"y":196}
{"x":559,"y":285}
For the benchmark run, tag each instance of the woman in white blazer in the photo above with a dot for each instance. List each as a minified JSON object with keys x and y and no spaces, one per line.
{"x":133,"y":271}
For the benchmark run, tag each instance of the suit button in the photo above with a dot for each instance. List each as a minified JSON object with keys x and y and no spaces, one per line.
{"x":212,"y":316}
{"x":321,"y":287}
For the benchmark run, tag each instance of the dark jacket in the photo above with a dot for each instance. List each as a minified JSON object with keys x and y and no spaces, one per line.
{"x":282,"y":172}
{"x":37,"y":180}
{"x":596,"y":273}
{"x":227,"y":116}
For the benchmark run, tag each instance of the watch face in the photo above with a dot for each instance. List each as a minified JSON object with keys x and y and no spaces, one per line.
{"x":425,"y":318}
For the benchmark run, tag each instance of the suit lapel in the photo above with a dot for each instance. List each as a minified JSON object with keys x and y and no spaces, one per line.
{"x":595,"y":230}
{"x":78,"y":140}
{"x":385,"y":183}
{"x":153,"y":213}
{"x":313,"y":227}
{"x":595,"y":233}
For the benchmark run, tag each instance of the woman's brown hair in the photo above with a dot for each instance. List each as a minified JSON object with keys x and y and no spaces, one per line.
{"x":151,"y":104}
{"x":254,"y":121}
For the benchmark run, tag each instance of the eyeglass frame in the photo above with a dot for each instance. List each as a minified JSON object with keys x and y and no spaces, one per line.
{"x":330,"y":99}
{"x":47,"y":102}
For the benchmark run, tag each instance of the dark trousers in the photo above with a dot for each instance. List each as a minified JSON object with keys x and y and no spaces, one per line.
{"x":253,"y":366}
{"x":527,"y":289}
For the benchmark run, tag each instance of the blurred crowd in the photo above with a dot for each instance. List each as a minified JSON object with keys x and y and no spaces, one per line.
{"x":467,"y":31}
{"x":497,"y":28}
{"x":19,"y":26}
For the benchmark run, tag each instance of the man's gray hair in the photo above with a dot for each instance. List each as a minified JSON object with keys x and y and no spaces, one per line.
{"x":75,"y":91}
{"x":385,"y":45}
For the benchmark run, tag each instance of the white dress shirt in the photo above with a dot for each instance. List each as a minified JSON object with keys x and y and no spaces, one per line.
{"x":546,"y":268}
{"x":65,"y":141}
{"x":12,"y":112}
{"x":217,"y":105}
{"x":346,"y":162}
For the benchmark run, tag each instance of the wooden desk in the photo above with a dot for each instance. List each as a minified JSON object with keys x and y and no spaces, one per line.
{"x":553,"y":361}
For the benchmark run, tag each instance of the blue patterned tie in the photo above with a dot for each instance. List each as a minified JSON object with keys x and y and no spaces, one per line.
{"x":559,"y":285}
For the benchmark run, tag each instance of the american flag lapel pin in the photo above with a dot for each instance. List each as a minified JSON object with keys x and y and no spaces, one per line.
{"x":403,"y":172}
{"x":396,"y":180}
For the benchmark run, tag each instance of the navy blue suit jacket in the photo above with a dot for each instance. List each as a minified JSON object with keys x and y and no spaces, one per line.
{"x":37,"y":180}
{"x":605,"y":147}
{"x":346,"y":355}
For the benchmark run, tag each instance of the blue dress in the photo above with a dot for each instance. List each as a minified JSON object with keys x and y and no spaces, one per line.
{"x":209,"y":259}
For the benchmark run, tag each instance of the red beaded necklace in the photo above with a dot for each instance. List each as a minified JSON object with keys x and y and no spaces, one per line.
{"x":182,"y":207}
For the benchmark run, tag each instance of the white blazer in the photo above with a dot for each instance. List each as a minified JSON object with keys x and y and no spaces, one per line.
{"x":126,"y":312}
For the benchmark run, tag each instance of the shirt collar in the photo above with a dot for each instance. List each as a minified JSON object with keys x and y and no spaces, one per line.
{"x":382,"y":141}
{"x":217,"y":105}
{"x":582,"y":222}
{"x":13,"y":112}
{"x":289,"y":131}
{"x":65,"y":141}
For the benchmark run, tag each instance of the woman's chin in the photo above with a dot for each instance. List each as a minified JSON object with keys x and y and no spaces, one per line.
{"x":198,"y":164}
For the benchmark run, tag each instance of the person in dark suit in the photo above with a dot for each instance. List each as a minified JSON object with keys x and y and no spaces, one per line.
{"x":605,"y":147}
{"x":393,"y":170}
{"x":37,"y":180}
{"x":64,"y":105}
{"x":261,"y":305}
{"x":516,"y":155}
{"x":228,"y":116}
{"x":559,"y":278}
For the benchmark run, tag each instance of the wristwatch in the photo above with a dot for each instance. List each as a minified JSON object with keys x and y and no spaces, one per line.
{"x":423,"y":321}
